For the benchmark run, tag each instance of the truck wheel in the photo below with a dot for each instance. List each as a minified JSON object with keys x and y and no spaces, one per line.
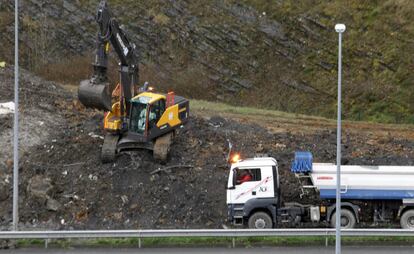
{"x":260,"y":220}
{"x":407,"y":220}
{"x":348,"y":219}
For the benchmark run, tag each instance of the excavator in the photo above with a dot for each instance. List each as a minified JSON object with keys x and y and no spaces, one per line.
{"x":134,"y":118}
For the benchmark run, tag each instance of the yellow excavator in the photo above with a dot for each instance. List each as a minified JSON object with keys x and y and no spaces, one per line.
{"x":138,"y":118}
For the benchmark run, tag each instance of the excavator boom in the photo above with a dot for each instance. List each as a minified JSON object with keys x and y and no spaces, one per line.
{"x":96,"y":92}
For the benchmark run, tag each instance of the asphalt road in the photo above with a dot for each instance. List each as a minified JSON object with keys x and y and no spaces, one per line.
{"x":266,"y":250}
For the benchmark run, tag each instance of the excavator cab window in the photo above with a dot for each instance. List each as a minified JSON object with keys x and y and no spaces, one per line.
{"x":138,"y":117}
{"x":156,"y":111}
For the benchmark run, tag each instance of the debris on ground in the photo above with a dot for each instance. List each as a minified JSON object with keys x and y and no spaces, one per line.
{"x":7,"y":108}
{"x":64,"y":185}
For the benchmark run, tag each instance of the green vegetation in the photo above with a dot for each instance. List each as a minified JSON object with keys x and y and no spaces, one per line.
{"x":378,"y":45}
{"x":274,"y":115}
{"x":292,"y":68}
{"x":216,"y":241}
{"x":250,"y":111}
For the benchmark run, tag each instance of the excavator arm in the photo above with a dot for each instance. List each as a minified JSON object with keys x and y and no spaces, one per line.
{"x":96,"y":92}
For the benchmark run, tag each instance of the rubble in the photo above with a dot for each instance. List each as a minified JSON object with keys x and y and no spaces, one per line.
{"x":4,"y":192}
{"x":39,"y":187}
{"x":53,"y":205}
{"x":7,"y":108}
{"x":69,"y":188}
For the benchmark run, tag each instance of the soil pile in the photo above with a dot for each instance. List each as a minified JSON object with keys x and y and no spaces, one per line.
{"x":65,"y":186}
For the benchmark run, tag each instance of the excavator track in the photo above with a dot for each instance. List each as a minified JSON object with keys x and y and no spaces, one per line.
{"x":162,"y":146}
{"x":109,"y":148}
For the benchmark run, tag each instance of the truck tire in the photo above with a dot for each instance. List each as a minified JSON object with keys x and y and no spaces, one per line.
{"x":407,"y":219}
{"x":348,"y":219}
{"x":260,"y":220}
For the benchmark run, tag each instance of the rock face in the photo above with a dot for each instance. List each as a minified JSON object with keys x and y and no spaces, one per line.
{"x":271,"y":55}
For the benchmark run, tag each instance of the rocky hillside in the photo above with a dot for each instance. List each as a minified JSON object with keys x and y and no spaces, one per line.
{"x":271,"y":54}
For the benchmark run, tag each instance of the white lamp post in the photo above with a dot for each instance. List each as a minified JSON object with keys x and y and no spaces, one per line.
{"x":339,"y":28}
{"x":16,"y":120}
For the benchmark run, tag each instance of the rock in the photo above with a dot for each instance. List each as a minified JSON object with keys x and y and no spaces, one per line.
{"x":117,"y":216}
{"x":69,"y":6}
{"x":39,"y":187}
{"x":4,"y":192}
{"x":53,"y":205}
{"x":217,"y":121}
{"x":124,"y":199}
{"x":9,"y":163}
{"x":259,"y":148}
{"x":8,"y":244}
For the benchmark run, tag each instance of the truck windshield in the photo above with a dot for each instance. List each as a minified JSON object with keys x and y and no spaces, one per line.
{"x":138,"y":117}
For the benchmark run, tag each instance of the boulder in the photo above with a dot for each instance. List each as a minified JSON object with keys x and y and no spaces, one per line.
{"x":39,"y":187}
{"x":53,"y":205}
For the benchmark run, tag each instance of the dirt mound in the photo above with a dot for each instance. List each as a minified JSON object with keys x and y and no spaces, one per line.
{"x":64,"y":185}
{"x":40,"y":103}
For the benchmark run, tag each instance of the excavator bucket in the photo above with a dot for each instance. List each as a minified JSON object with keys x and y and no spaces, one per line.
{"x":95,"y":95}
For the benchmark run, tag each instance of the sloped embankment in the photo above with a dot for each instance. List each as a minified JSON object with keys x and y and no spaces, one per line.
{"x":64,"y":185}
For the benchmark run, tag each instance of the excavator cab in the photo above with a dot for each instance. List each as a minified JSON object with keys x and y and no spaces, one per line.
{"x":144,"y":114}
{"x":138,"y":118}
{"x":146,"y":111}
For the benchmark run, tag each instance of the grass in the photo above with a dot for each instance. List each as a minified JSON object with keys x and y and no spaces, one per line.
{"x":275,"y":115}
{"x":202,"y":105}
{"x":216,"y":241}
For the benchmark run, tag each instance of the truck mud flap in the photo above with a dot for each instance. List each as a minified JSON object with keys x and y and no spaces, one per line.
{"x":95,"y":95}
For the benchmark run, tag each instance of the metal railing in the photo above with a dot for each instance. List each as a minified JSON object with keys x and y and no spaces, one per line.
{"x":199,"y":233}
{"x":233,"y":233}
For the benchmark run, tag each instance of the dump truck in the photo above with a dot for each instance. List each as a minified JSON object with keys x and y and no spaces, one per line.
{"x":135,"y":117}
{"x":255,"y":201}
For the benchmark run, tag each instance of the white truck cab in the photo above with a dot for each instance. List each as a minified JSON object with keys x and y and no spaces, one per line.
{"x":253,"y":188}
{"x":253,"y":193}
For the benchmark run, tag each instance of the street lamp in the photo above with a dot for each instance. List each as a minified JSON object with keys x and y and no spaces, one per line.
{"x":339,"y":28}
{"x":16,"y":120}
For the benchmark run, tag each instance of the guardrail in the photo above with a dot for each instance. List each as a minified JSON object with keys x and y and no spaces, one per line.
{"x":199,"y":233}
{"x":233,"y":233}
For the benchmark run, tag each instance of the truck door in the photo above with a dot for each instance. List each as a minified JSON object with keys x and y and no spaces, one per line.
{"x":251,"y":183}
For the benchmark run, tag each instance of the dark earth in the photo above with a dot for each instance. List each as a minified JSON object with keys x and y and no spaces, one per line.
{"x":64,"y":185}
